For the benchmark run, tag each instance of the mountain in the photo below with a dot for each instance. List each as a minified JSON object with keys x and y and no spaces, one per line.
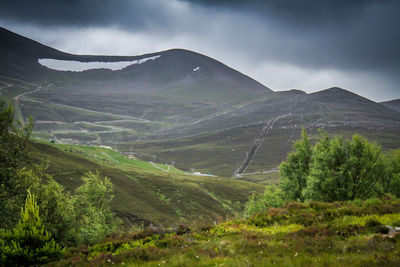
{"x":393,"y":104}
{"x":180,"y":106}
{"x":19,"y":56}
{"x":334,"y":110}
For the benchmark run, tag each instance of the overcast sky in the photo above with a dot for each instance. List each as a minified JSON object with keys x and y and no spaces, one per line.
{"x":284,"y":44}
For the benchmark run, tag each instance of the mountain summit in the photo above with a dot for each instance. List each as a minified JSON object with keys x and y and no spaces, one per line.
{"x":175,"y":71}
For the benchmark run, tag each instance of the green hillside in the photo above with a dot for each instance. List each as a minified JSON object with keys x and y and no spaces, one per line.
{"x":147,"y":192}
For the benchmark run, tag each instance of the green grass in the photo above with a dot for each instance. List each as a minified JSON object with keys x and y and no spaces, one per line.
{"x":313,"y":234}
{"x":150,"y":193}
{"x":270,"y":178}
{"x":113,"y":158}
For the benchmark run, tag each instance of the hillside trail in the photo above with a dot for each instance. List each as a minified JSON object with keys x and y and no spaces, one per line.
{"x":157,"y":167}
{"x":39,"y":88}
{"x":103,"y":113}
{"x":23,"y":95}
{"x":257,"y":143}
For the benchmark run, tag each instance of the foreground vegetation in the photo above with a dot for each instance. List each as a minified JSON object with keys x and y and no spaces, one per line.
{"x":313,"y":234}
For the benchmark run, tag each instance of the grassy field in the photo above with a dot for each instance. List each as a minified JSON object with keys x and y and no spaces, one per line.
{"x":266,"y":178}
{"x":312,"y":234}
{"x":147,"y":192}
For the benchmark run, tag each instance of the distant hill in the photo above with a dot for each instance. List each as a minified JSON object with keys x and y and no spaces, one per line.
{"x":230,"y":135}
{"x":179,"y":106}
{"x":393,"y":104}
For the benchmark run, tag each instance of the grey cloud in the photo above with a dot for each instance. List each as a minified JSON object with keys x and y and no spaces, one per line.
{"x":349,"y":36}
{"x":305,"y":11}
{"x":131,"y":14}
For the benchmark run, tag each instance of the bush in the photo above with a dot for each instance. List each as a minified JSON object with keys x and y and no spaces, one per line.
{"x":57,"y":211}
{"x":391,"y":178}
{"x":92,"y":204}
{"x":28,"y":243}
{"x":336,"y":169}
{"x":272,"y":197}
{"x":345,"y":170}
{"x":296,"y":169}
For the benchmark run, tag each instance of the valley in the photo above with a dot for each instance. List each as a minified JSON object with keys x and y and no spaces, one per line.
{"x":175,"y":158}
{"x":199,"y":133}
{"x":173,"y":112}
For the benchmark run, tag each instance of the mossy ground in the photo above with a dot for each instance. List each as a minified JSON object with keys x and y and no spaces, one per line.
{"x":313,"y":234}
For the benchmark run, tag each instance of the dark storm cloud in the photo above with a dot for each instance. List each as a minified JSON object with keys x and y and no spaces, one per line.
{"x":306,"y":43}
{"x":350,"y":34}
{"x":305,"y":11}
{"x":136,"y":14}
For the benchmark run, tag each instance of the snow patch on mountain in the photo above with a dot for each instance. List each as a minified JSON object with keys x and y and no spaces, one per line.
{"x":70,"y":65}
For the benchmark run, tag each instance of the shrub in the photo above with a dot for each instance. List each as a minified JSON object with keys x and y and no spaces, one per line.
{"x":345,"y":170}
{"x":92,"y":204}
{"x":260,"y":219}
{"x":296,"y":169}
{"x":28,"y":243}
{"x":391,"y":178}
{"x":336,"y":169}
{"x":272,"y":197}
{"x":57,"y":211}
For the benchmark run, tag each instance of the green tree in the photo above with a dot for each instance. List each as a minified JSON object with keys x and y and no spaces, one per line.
{"x":57,"y":211}
{"x":272,"y":197}
{"x":296,"y":169}
{"x":92,"y":203}
{"x":13,"y":157}
{"x":28,"y":243}
{"x":345,"y":170}
{"x":391,"y":178}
